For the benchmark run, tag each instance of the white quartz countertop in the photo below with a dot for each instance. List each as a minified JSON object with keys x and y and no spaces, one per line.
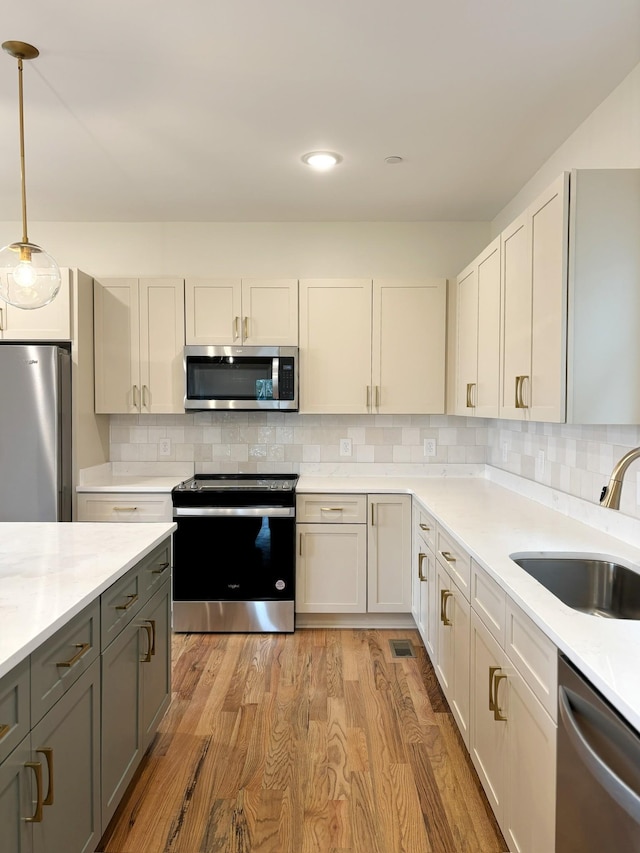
{"x":111,"y":483}
{"x":491,"y":522}
{"x":49,"y":572}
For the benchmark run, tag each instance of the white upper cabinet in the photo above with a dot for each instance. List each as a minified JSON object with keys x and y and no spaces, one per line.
{"x":478,"y":335}
{"x":372,"y":347}
{"x":52,"y":322}
{"x":251,"y":312}
{"x":139,"y":343}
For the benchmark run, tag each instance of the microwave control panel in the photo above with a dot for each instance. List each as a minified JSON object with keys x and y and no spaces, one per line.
{"x":287,"y":379}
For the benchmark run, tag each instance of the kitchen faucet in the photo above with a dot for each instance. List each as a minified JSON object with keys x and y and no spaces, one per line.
{"x":610,"y":495}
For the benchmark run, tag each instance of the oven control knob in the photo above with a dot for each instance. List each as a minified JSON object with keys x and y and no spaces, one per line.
{"x":280,"y":584}
{"x":195,"y":486}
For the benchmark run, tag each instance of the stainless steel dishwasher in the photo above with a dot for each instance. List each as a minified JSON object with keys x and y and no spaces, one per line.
{"x":598,"y":776}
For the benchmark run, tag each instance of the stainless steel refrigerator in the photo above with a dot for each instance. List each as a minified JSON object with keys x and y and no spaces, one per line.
{"x":35,"y":432}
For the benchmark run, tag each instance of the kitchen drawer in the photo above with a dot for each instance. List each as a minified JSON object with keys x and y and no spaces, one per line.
{"x":455,"y":559}
{"x":62,"y":659}
{"x":140,"y":506}
{"x":489,"y":601}
{"x":15,"y":719}
{"x":425,"y":524}
{"x":119,"y":604}
{"x":534,"y":656}
{"x":331,"y":509}
{"x":154,"y":569}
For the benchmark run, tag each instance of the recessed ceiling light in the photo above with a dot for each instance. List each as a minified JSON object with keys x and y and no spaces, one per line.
{"x":321,"y":160}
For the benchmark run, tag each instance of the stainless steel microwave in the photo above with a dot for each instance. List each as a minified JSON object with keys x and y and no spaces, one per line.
{"x":241,"y":378}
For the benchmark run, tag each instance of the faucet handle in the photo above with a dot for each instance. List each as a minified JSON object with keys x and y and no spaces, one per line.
{"x":603,"y":493}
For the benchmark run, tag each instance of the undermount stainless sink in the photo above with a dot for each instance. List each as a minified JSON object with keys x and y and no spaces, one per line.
{"x":592,"y":585}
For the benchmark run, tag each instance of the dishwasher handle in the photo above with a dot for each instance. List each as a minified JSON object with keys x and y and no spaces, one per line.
{"x":617,"y":789}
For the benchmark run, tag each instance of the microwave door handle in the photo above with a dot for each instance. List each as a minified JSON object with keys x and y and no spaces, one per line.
{"x":275,"y":373}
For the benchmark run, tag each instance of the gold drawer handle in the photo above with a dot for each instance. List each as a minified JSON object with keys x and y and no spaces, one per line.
{"x":125,"y":508}
{"x":448,"y":556}
{"x":37,"y":769}
{"x":470,"y":387}
{"x":445,"y":595}
{"x":47,"y":751}
{"x":149,"y":630}
{"x":421,"y":558}
{"x":497,"y":714}
{"x":492,"y":701}
{"x":161,"y":568}
{"x":5,"y":728}
{"x":424,"y":526}
{"x":82,"y":648}
{"x":331,"y":509}
{"x":132,"y":600}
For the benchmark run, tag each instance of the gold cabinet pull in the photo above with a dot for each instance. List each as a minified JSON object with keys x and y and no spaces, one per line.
{"x":132,"y":600}
{"x":136,"y":397}
{"x":373,"y":515}
{"x":497,"y":713}
{"x":82,"y":648}
{"x":37,"y":769}
{"x":1,"y":320}
{"x":492,"y":701}
{"x":161,"y":568}
{"x":246,"y":328}
{"x":300,"y":545}
{"x":448,"y":556}
{"x":236,"y":322}
{"x":445,"y":595}
{"x":5,"y":728}
{"x":470,"y":387}
{"x":125,"y":508}
{"x":147,"y":658}
{"x":377,"y":396}
{"x":520,"y":403}
{"x":331,"y":509}
{"x":421,"y":558}
{"x":145,"y":396}
{"x":47,"y":751}
{"x":424,"y":526}
{"x":368,"y":396}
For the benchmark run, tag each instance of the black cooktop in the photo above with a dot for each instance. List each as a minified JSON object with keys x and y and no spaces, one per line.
{"x":235,"y":482}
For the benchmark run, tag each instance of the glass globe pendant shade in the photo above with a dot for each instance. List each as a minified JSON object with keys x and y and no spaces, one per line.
{"x":29,"y":277}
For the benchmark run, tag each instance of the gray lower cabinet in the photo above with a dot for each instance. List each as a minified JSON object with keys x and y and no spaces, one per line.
{"x":50,"y":783}
{"x":136,"y":690}
{"x":77,"y":716}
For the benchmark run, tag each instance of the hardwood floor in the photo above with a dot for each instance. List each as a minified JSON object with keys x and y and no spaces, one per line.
{"x":313,"y":742}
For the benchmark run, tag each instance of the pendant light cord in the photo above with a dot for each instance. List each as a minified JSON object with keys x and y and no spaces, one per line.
{"x":25,"y":239}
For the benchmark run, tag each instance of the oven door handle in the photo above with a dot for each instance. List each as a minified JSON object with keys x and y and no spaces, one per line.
{"x":246,"y":511}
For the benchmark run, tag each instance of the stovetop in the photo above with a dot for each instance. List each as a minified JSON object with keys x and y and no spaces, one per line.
{"x":239,"y":482}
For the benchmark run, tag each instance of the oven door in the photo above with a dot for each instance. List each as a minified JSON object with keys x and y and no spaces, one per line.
{"x":234,"y":554}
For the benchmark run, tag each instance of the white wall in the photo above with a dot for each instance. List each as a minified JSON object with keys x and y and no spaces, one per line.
{"x":608,"y":139}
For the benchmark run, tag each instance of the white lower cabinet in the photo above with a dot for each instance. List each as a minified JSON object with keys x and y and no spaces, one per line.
{"x":124,"y":506}
{"x":498,"y":672}
{"x":353,"y":553}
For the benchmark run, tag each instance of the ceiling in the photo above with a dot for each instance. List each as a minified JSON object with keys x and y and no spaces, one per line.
{"x":199,"y":110}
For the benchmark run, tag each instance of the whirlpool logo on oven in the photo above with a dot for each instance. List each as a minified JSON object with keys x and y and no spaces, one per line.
{"x":233,"y":586}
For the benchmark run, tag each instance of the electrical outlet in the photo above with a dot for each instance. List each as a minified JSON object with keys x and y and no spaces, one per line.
{"x":345,"y":447}
{"x":430,"y":447}
{"x":539,"y":464}
{"x":164,"y":447}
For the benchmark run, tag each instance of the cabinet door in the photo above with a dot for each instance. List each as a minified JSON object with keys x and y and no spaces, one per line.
{"x":331,"y":568}
{"x":335,"y":346}
{"x":389,"y":554}
{"x":549,"y":244}
{"x":270,"y":312}
{"x":516,"y":318}
{"x":213,"y":311}
{"x":531,"y":769}
{"x":121,"y":718}
{"x":453,"y":649}
{"x":408,"y":349}
{"x":487,"y":400}
{"x":16,"y":800}
{"x":162,"y":345}
{"x":52,"y":322}
{"x":467,"y":341}
{"x":488,"y":736}
{"x":117,"y":346}
{"x":156,"y":663}
{"x":67,"y":743}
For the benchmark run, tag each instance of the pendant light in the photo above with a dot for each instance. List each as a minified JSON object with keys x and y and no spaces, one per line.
{"x":29,"y":277}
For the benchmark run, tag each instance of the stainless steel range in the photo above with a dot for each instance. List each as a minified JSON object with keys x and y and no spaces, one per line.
{"x":234,"y":553}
